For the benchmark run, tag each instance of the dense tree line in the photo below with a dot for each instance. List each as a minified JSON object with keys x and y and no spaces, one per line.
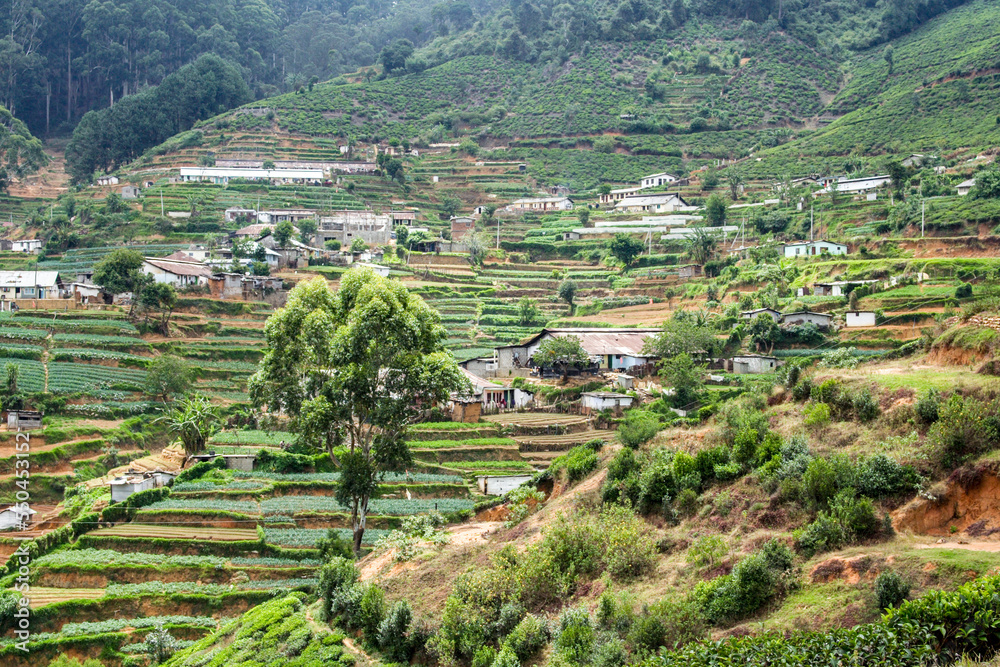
{"x":110,"y":137}
{"x":20,"y":153}
{"x":62,"y":58}
{"x":552,"y":30}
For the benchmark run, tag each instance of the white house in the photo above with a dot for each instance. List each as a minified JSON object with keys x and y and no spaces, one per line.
{"x":964,"y":187}
{"x":665,"y":203}
{"x":498,"y":485}
{"x":222,"y":176}
{"x":811,"y":248}
{"x":542,"y":204}
{"x":821,"y":320}
{"x":178,"y":273}
{"x":857,"y":185}
{"x":377,"y":268}
{"x":598,"y":401}
{"x":107,"y":180}
{"x":609,"y":349}
{"x":617,"y":195}
{"x":124,"y":486}
{"x":26,"y":245}
{"x":752,"y":364}
{"x":29,"y":285}
{"x":496,"y":396}
{"x":16,"y":517}
{"x":752,"y":314}
{"x":860,"y":318}
{"x":235,"y":213}
{"x":655,"y":180}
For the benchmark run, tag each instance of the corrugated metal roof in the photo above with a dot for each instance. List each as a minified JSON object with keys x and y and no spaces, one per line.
{"x":28,"y":278}
{"x":186,"y":268}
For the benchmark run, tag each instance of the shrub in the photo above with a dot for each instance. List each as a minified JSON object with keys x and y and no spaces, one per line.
{"x":615,"y":613}
{"x":821,"y":535}
{"x":927,"y":407}
{"x":965,"y":428}
{"x":706,"y":551}
{"x":334,"y":579}
{"x":393,"y":633}
{"x":865,"y":406}
{"x":528,"y":638}
{"x":578,"y":462}
{"x":963,"y":291}
{"x":610,"y":653}
{"x":484,"y":656}
{"x":686,"y":503}
{"x":802,"y":390}
{"x":576,"y":636}
{"x":506,"y":658}
{"x":880,"y":476}
{"x":667,"y":623}
{"x":816,"y":415}
{"x":745,"y":446}
{"x":737,"y":595}
{"x":856,"y":514}
{"x":628,"y":546}
{"x":638,"y":427}
{"x":890,"y":590}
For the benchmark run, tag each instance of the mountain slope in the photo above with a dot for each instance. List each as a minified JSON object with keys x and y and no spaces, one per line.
{"x":938,"y":93}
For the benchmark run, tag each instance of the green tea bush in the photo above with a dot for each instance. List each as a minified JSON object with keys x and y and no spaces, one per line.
{"x":866,"y":408}
{"x":965,"y":428}
{"x":879,"y":476}
{"x":816,"y":415}
{"x":393,"y":633}
{"x":484,"y":656}
{"x":638,"y":427}
{"x":528,"y":638}
{"x":371,"y":610}
{"x":753,"y":582}
{"x":575,"y":638}
{"x":890,"y":590}
{"x":927,"y":407}
{"x":578,"y":462}
{"x":506,"y":658}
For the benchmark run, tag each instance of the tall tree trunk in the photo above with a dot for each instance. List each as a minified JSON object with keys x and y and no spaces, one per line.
{"x":359,"y":520}
{"x":69,"y":81}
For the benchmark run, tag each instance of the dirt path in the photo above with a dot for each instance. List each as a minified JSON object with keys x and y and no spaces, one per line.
{"x":964,"y":546}
{"x":375,"y":565}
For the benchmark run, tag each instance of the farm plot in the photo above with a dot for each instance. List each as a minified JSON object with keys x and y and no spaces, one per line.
{"x":545,"y":443}
{"x":267,"y":438}
{"x":290,"y":505}
{"x":535,"y":419}
{"x":31,"y":374}
{"x":96,"y":341}
{"x":176,"y":532}
{"x":308,"y":537}
{"x":70,"y":378}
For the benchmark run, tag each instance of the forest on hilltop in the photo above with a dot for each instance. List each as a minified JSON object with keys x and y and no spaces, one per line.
{"x":62,"y":58}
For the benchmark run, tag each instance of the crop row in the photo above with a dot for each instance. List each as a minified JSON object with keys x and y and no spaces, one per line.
{"x":114,"y":590}
{"x":308,"y":537}
{"x":294,"y":504}
{"x":106,"y":557}
{"x":390,"y":478}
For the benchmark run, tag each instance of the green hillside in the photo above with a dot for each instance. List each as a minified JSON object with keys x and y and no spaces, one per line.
{"x":692,"y":82}
{"x":939,"y":94}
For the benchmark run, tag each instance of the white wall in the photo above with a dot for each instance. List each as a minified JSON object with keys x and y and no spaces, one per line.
{"x":860,"y":319}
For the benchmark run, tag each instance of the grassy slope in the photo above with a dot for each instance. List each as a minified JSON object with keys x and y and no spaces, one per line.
{"x":941,"y":93}
{"x":782,"y":79}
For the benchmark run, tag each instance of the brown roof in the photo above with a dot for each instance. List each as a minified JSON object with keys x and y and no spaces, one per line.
{"x":180,"y":256}
{"x":179,"y":268}
{"x":601,"y":341}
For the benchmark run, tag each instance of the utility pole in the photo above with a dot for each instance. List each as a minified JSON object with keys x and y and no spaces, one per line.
{"x":810,"y":222}
{"x":162,"y":214}
{"x":498,"y":232}
{"x":922,"y":207}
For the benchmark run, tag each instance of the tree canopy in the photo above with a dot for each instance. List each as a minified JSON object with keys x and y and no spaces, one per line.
{"x":20,"y":153}
{"x":681,"y":335}
{"x":625,"y":248}
{"x":562,"y":352}
{"x":353,"y":368}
